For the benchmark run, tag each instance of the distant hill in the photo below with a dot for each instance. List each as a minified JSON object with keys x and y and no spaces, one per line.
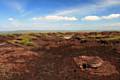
{"x":45,"y":31}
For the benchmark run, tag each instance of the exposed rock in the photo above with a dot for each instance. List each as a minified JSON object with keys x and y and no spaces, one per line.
{"x":67,"y":37}
{"x":92,"y":62}
{"x":95,"y":65}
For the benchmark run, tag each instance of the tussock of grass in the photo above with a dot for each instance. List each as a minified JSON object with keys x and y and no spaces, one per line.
{"x":23,"y":40}
{"x":26,"y":41}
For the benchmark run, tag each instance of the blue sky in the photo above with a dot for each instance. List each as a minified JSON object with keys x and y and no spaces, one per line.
{"x":59,"y":15}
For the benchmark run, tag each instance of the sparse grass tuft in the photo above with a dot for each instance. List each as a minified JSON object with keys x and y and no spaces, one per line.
{"x":26,"y":41}
{"x":23,"y":40}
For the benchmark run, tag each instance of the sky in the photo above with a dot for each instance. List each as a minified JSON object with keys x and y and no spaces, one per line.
{"x":59,"y":15}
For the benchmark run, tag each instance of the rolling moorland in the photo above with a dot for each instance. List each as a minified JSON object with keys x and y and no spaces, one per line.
{"x":60,"y":56}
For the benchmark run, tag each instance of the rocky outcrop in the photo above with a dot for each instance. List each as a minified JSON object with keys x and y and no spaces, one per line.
{"x":95,"y":65}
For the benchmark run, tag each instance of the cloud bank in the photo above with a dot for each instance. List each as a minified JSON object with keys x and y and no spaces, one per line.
{"x":95,"y":18}
{"x":91,"y":18}
{"x":56,"y":18}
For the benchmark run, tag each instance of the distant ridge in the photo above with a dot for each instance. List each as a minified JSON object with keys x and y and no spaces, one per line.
{"x":46,"y":31}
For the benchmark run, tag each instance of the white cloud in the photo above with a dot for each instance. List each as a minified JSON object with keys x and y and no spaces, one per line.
{"x":10,"y":19}
{"x":91,"y":18}
{"x":95,"y":18}
{"x":56,"y":18}
{"x":112,"y":16}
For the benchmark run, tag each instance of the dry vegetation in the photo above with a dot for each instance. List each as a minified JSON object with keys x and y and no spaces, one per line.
{"x":52,"y":56}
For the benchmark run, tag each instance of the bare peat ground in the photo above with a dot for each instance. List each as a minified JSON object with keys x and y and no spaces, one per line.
{"x":55,"y":56}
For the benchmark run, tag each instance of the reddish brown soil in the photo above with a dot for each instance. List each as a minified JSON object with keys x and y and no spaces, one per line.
{"x":52,"y":58}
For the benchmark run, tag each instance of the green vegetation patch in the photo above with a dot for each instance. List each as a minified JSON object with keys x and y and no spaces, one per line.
{"x":23,"y":40}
